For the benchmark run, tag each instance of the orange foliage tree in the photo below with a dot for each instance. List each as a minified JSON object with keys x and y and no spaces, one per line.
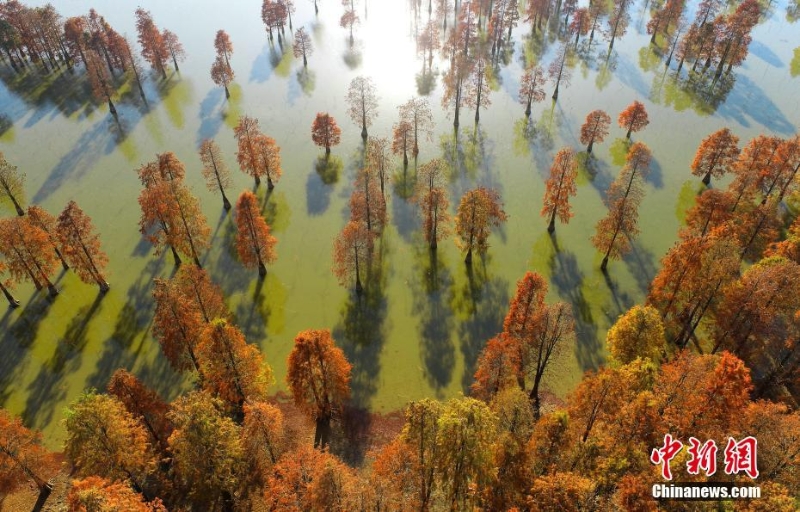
{"x":100,"y":79}
{"x":247,"y":133}
{"x":22,"y":457}
{"x":378,"y":159}
{"x":216,"y":173}
{"x":633,"y":118}
{"x":362,"y":101}
{"x":262,"y":435}
{"x":222,"y":74}
{"x":95,"y":493}
{"x":144,"y":404}
{"x":560,"y":186}
{"x":270,"y":155}
{"x":479,"y":211}
{"x":498,"y":367}
{"x":154,"y":48}
{"x":176,"y":325}
{"x":530,"y":89}
{"x":431,"y":196}
{"x":366,"y":202}
{"x":171,"y":215}
{"x":223,"y":46}
{"x":325,"y":132}
{"x":233,"y":370}
{"x":352,"y":252}
{"x":595,"y":128}
{"x":254,"y":243}
{"x":402,"y":136}
{"x":43,"y":220}
{"x":81,"y":245}
{"x":716,"y":155}
{"x":28,"y":253}
{"x":623,"y":198}
{"x":12,"y":184}
{"x":318,"y":376}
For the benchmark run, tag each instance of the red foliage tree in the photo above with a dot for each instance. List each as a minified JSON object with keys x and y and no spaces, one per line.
{"x":302,"y":45}
{"x":595,"y":128}
{"x":22,"y":457}
{"x":560,"y":186}
{"x":43,"y":220}
{"x":366,"y":202}
{"x":716,"y":155}
{"x":633,"y":118}
{"x":402,"y":137}
{"x":498,"y":367}
{"x":144,"y":404}
{"x":254,"y":243}
{"x":174,"y":47}
{"x":325,"y":132}
{"x":154,"y":48}
{"x":222,"y":74}
{"x":28,"y":253}
{"x":215,"y":172}
{"x":247,"y":133}
{"x":352,"y":252}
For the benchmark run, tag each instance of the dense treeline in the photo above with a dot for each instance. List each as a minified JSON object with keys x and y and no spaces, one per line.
{"x":714,"y":353}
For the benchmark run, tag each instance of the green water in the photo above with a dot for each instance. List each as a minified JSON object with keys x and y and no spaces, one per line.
{"x":420,"y":334}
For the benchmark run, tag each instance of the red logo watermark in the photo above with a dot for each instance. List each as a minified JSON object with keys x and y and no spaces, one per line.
{"x":739,"y":456}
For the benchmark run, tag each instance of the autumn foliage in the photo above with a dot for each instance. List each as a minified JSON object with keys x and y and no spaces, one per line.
{"x":325,"y":132}
{"x":318,"y":376}
{"x":633,"y":118}
{"x":254,"y":243}
{"x":716,"y":155}
{"x":595,"y":128}
{"x":479,"y":211}
{"x":560,"y":186}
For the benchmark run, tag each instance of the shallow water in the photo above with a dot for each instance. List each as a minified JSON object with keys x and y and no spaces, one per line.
{"x":421,"y":333}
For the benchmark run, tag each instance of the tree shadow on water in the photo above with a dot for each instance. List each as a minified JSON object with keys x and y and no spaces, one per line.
{"x":436,"y":320}
{"x":480,"y":304}
{"x":567,"y":278}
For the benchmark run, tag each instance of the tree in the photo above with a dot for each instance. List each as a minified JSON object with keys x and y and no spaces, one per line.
{"x":325,"y":132}
{"x":559,"y":73}
{"x":5,"y":285}
{"x":498,"y":367}
{"x":431,"y":196}
{"x":135,"y":65}
{"x":479,"y":211}
{"x":378,"y":159}
{"x":174,"y":47}
{"x":43,"y":220}
{"x":171,"y":215}
{"x":254,"y":243}
{"x":349,"y":19}
{"x":478,"y":90}
{"x":580,"y":24}
{"x":222,"y":74}
{"x":716,"y":155}
{"x":207,"y":449}
{"x":81,"y":245}
{"x":402,"y":132}
{"x":246,"y":133}
{"x":274,"y":14}
{"x":154,"y":48}
{"x":560,"y":186}
{"x":270,"y":159}
{"x":95,"y":493}
{"x":318,"y":376}
{"x":176,"y":326}
{"x":22,"y":457}
{"x":417,"y":113}
{"x":12,"y":184}
{"x":302,"y":45}
{"x":465,"y":434}
{"x":561,"y":491}
{"x":28,"y":253}
{"x":362,"y":100}
{"x":223,"y":46}
{"x":100,"y":80}
{"x":366,"y":201}
{"x":623,"y":198}
{"x":216,"y":173}
{"x":618,"y":21}
{"x":205,"y":297}
{"x":262,"y":435}
{"x":735,"y":35}
{"x":144,"y":404}
{"x":105,"y":440}
{"x":595,"y":128}
{"x":530,"y":88}
{"x":634,"y":118}
{"x":233,"y":370}
{"x":637,"y":333}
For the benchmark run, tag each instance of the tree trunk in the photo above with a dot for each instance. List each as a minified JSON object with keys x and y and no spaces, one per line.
{"x":12,"y":302}
{"x":322,"y":432}
{"x":707,"y":178}
{"x":262,"y":270}
{"x":175,"y":256}
{"x":591,"y":144}
{"x":227,"y":92}
{"x":64,"y":264}
{"x":111,"y":107}
{"x":552,"y":226}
